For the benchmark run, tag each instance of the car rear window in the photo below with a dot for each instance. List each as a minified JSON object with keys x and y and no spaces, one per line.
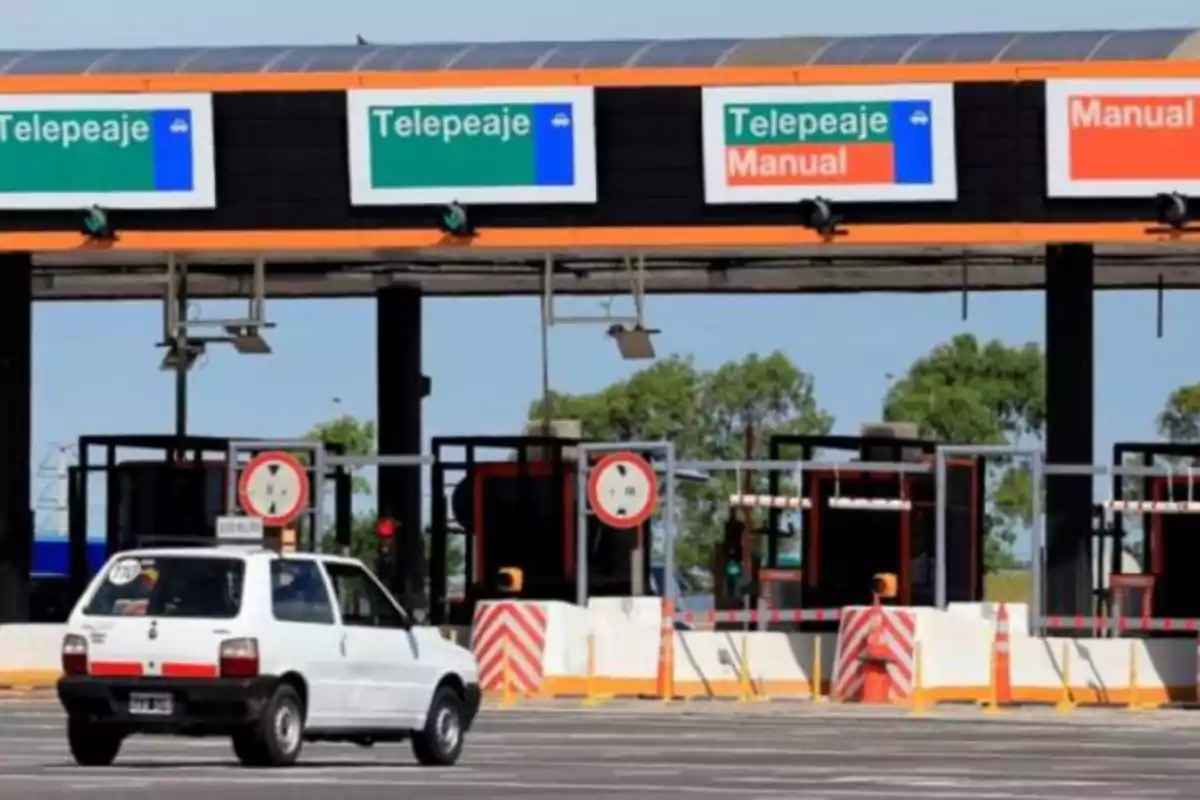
{"x":172,"y":586}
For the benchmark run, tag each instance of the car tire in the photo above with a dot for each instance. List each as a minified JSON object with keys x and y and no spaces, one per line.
{"x":440,"y":742}
{"x":91,"y":745}
{"x":277,"y":737}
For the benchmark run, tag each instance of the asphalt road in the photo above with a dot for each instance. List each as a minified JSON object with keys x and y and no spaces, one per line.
{"x":650,"y":751}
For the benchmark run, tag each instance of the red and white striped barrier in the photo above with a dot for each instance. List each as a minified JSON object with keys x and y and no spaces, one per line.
{"x":1081,"y":623}
{"x":870,"y":503}
{"x":768,"y":501}
{"x":509,"y":642}
{"x":768,"y":615}
{"x":1153,"y":506}
{"x":796,"y":502}
{"x":897,"y":632}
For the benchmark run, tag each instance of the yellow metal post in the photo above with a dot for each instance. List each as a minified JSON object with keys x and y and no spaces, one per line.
{"x":744,"y":689}
{"x":507,"y":696}
{"x":1066,"y":702}
{"x":1135,"y":699}
{"x":917,"y":709}
{"x":816,"y":671}
{"x":593,"y":697}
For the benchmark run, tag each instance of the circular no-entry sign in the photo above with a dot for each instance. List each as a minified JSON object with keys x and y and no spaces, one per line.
{"x":274,"y":486}
{"x":622,"y":490}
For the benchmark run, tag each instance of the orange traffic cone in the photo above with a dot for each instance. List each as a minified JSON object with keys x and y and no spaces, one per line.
{"x":666,"y":653}
{"x":1003,"y":658}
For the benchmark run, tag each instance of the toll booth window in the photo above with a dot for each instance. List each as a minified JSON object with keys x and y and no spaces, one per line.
{"x":362,"y":602}
{"x":298,"y":593}
{"x":210,"y":588}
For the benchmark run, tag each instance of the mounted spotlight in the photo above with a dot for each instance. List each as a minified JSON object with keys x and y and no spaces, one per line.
{"x":455,"y":221}
{"x":181,"y":356}
{"x":634,"y":343}
{"x":95,"y":224}
{"x":247,"y":340}
{"x":1172,"y":210}
{"x":817,"y":214}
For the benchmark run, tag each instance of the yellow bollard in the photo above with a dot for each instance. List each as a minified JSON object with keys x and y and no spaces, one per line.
{"x":816,"y":671}
{"x":1134,"y":702}
{"x":992,"y":704}
{"x":745,"y":691}
{"x":917,"y":708}
{"x":1066,"y":702}
{"x":593,"y":697}
{"x":507,"y":696}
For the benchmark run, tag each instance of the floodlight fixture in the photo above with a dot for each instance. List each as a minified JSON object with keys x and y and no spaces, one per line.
{"x":455,"y":221}
{"x":181,"y":355}
{"x":634,"y":342}
{"x":247,"y":340}
{"x":95,"y":224}
{"x":1171,"y":209}
{"x":817,"y":214}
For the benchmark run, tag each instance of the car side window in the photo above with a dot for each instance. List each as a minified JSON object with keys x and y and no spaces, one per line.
{"x":362,"y":602}
{"x":298,"y":593}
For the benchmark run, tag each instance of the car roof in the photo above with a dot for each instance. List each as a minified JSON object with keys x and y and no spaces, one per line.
{"x":239,"y":552}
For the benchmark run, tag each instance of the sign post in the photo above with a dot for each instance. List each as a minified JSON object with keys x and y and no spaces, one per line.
{"x":144,"y":151}
{"x":784,"y":144}
{"x":429,"y":146}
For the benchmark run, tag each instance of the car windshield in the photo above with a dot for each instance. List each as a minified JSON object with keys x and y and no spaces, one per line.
{"x":170,"y":586}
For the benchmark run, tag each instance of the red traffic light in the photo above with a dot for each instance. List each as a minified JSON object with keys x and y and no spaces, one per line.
{"x":386,"y":528}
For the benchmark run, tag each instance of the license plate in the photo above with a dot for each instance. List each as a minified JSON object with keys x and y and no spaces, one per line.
{"x":159,"y":705}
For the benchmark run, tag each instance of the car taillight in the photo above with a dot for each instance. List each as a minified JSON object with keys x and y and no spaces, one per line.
{"x":74,"y":655}
{"x":239,"y":658}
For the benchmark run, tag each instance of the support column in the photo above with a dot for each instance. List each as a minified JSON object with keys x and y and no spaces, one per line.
{"x":16,"y":386}
{"x":1070,"y":415}
{"x":400,"y":389}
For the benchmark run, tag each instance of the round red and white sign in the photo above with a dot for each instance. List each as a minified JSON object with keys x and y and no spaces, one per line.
{"x":274,"y":486}
{"x":622,"y":490}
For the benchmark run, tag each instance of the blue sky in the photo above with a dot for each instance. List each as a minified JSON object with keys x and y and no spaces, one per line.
{"x":96,"y":369}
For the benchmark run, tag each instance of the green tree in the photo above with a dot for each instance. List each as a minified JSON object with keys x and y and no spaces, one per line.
{"x":358,"y":437}
{"x":1179,"y":420}
{"x":707,"y":414}
{"x":965,"y":392}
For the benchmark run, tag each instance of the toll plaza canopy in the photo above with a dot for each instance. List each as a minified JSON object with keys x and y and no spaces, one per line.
{"x":950,"y":159}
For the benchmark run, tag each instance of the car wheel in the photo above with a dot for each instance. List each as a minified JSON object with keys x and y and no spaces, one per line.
{"x":90,"y":745}
{"x":277,"y":738}
{"x":440,"y":742}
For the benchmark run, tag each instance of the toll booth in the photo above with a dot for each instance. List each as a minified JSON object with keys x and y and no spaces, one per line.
{"x":1169,"y":521}
{"x":156,"y":490}
{"x":514,"y":500}
{"x":857,"y":524}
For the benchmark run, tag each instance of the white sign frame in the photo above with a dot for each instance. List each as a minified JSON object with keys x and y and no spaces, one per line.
{"x":1059,"y":182}
{"x":204,"y":182}
{"x":717,"y":191}
{"x":362,"y":193}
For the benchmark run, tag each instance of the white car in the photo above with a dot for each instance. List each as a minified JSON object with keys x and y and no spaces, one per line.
{"x":270,"y":649}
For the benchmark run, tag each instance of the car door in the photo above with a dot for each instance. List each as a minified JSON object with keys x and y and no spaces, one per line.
{"x":380,"y":651}
{"x":308,"y":631}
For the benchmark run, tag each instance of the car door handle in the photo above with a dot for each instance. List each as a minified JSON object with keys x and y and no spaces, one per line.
{"x":342,"y":644}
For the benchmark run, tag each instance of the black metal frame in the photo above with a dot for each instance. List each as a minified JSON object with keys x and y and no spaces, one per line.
{"x":559,"y":469}
{"x":1148,"y":452}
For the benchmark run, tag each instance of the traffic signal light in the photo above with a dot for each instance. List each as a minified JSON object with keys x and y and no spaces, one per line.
{"x":96,"y":225}
{"x":455,"y":220}
{"x":884,"y":585}
{"x":734,"y":547}
{"x":385,"y":534}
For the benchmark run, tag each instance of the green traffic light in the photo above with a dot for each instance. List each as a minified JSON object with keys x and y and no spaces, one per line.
{"x":455,"y":220}
{"x":95,"y":223}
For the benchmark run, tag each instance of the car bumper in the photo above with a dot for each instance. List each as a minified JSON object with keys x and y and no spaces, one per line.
{"x":199,"y":706}
{"x":472,"y":699}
